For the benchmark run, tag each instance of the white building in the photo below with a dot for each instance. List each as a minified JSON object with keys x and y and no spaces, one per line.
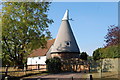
{"x":38,"y":56}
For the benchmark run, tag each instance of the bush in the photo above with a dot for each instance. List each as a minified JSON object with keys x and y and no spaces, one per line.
{"x":97,"y":54}
{"x":53,"y":65}
{"x":83,"y":56}
{"x":107,"y":52}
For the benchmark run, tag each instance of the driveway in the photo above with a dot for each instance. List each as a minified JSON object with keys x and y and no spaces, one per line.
{"x":61,"y":76}
{"x":65,"y":75}
{"x":75,"y":76}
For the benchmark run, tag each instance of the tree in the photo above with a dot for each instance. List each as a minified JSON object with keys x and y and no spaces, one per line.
{"x":113,"y":36}
{"x":106,"y":52}
{"x":25,"y":27}
{"x":97,"y":54}
{"x":112,"y":40}
{"x":83,"y":56}
{"x":109,"y":52}
{"x":112,"y":47}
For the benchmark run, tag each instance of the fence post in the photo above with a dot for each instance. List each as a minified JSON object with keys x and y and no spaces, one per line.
{"x":89,"y":68}
{"x":72,"y":78}
{"x":91,"y":77}
{"x":6,"y":70}
{"x":24,"y":69}
{"x":6,"y":78}
{"x":38,"y":66}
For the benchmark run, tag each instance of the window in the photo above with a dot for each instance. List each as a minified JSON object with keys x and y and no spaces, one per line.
{"x":67,"y":43}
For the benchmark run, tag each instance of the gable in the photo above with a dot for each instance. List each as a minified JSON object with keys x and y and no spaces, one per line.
{"x":40,"y":51}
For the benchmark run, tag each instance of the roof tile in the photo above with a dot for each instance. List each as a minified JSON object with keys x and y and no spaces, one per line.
{"x":40,"y":51}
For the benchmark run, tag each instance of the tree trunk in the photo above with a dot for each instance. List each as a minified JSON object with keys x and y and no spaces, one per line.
{"x":21,"y":66}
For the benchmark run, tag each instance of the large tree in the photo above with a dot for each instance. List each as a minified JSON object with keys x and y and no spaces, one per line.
{"x":24,"y":28}
{"x":112,"y":40}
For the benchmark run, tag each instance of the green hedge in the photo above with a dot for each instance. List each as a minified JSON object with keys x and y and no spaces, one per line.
{"x":53,"y":65}
{"x":108,"y":52}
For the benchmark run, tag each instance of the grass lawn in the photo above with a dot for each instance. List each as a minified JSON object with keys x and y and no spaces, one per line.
{"x":27,"y":74}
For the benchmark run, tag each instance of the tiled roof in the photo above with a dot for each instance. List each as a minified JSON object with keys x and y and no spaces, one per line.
{"x":42,"y":52}
{"x":65,"y":40}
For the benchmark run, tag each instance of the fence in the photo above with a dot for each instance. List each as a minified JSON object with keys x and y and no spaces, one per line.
{"x":67,"y":65}
{"x":109,"y":68}
{"x":16,"y":72}
{"x":75,"y":65}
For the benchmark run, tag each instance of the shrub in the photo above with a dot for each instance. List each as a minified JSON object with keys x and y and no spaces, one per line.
{"x":53,"y":65}
{"x":83,"y":56}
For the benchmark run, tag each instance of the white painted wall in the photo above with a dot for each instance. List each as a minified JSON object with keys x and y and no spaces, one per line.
{"x":36,"y":60}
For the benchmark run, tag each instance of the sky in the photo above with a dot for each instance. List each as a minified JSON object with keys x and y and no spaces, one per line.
{"x":91,"y":21}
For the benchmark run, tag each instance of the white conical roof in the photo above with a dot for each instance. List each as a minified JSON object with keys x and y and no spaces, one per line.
{"x":66,"y":15}
{"x":65,"y":40}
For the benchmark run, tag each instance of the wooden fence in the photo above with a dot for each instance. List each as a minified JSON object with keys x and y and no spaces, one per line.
{"x":75,"y":65}
{"x":16,"y":72}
